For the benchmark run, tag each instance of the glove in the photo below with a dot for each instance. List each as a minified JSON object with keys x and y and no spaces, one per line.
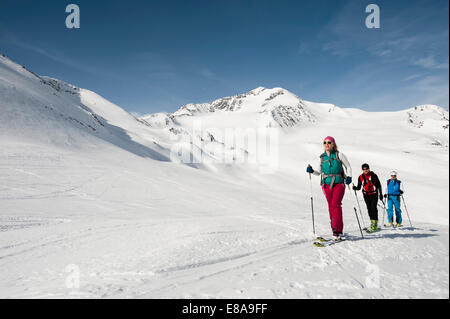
{"x":348,"y":180}
{"x":385,"y":195}
{"x":309,"y":169}
{"x":401,"y":192}
{"x":355,"y":188}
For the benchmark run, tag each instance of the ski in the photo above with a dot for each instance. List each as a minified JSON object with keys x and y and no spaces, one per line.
{"x":322,"y":239}
{"x":327,"y":243}
{"x":370,"y":231}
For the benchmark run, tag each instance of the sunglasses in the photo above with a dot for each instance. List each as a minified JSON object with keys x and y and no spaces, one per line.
{"x":327,"y":142}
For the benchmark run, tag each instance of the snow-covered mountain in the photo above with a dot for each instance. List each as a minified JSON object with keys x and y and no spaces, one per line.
{"x":87,"y":186}
{"x":275,"y":107}
{"x":64,"y":114}
{"x":278,"y":107}
{"x":431,"y":117}
{"x":44,"y":110}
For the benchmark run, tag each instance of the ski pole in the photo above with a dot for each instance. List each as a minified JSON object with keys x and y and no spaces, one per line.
{"x":359,"y":206}
{"x":356,"y":214}
{"x":406,"y":208}
{"x":312,"y":205}
{"x":384,"y":211}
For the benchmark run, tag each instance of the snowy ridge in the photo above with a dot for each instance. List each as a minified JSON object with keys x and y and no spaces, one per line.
{"x":60,"y":86}
{"x":159,"y":120}
{"x":29,"y":102}
{"x":45,"y":110}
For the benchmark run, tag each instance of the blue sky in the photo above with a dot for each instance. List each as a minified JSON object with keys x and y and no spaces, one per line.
{"x":151,"y":56}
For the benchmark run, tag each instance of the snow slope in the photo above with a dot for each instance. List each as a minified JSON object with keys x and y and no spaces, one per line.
{"x":87,"y":187}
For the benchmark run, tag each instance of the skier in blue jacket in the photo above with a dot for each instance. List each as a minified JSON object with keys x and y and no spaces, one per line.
{"x":393,"y":194}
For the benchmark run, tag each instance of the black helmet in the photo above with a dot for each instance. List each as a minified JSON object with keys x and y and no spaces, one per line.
{"x":365,"y":166}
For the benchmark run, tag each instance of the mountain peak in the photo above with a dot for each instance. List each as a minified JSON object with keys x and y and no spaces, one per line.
{"x":274,"y":107}
{"x":258,"y":90}
{"x":428,"y":116}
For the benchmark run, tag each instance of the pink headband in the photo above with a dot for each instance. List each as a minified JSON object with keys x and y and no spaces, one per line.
{"x":330,"y":138}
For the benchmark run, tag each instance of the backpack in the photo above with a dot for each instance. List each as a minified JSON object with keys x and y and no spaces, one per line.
{"x":368,"y":186}
{"x":395,"y":188}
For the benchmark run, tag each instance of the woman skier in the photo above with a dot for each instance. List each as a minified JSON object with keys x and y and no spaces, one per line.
{"x":334,"y":170}
{"x":371,"y":188}
{"x":394,"y":191}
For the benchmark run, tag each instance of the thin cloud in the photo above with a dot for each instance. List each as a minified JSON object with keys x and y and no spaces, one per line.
{"x":430,"y":63}
{"x":411,"y":77}
{"x":346,"y":36}
{"x":384,"y":52}
{"x":57,"y":57}
{"x":207,"y":73}
{"x":435,"y":89}
{"x":304,"y":48}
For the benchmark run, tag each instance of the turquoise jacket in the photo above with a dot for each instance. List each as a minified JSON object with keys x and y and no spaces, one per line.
{"x":331,"y":165}
{"x":393,"y":187}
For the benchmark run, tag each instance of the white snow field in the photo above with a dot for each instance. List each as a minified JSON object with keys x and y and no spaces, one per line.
{"x":92,"y":205}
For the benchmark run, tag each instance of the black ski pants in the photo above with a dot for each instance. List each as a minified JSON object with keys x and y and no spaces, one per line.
{"x":371,"y":202}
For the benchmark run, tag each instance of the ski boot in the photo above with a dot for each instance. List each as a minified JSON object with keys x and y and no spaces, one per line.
{"x":399,"y":225}
{"x":373,"y":225}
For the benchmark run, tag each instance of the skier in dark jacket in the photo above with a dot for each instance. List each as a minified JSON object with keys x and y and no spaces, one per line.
{"x":371,"y":188}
